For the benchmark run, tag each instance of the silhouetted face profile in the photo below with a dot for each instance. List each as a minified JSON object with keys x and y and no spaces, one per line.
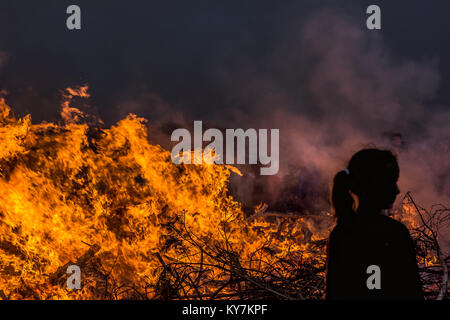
{"x":373,"y":178}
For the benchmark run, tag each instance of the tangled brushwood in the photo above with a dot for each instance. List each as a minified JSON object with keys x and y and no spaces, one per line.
{"x":141,"y":227}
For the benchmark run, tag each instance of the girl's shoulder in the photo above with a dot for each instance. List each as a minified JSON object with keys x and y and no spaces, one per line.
{"x":373,"y":225}
{"x":393,"y":224}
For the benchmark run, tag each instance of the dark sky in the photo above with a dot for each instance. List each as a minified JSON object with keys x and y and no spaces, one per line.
{"x":178,"y":49}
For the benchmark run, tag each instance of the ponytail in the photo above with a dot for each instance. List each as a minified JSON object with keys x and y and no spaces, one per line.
{"x":342,"y":200}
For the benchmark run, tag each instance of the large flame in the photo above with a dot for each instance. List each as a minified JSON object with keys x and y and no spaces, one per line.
{"x":109,"y":201}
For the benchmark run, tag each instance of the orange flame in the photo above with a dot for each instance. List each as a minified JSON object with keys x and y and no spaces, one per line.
{"x":67,"y":187}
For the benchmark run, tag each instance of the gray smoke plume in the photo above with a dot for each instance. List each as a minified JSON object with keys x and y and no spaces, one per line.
{"x":332,"y":89}
{"x":339,"y":89}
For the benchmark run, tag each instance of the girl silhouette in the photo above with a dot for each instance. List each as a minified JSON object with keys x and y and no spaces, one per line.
{"x":370,"y":256}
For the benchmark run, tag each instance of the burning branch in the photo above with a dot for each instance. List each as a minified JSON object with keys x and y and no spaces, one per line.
{"x":426,"y":236}
{"x":81,"y":261}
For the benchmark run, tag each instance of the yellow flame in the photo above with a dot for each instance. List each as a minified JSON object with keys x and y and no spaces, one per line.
{"x":67,"y":187}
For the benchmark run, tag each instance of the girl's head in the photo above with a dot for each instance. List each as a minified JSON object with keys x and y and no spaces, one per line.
{"x":372,"y":176}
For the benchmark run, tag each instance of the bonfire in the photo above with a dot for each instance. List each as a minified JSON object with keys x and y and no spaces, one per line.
{"x":141,"y":227}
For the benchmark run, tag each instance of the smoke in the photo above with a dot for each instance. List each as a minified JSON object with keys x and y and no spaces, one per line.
{"x":3,"y":60}
{"x":163,"y":118}
{"x":332,"y":88}
{"x":337,"y":88}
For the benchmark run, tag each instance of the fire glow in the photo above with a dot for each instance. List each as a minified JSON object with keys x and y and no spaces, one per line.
{"x":110,"y":202}
{"x":138,"y":225}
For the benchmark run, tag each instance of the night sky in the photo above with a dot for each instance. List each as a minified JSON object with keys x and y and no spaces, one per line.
{"x":185,"y":52}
